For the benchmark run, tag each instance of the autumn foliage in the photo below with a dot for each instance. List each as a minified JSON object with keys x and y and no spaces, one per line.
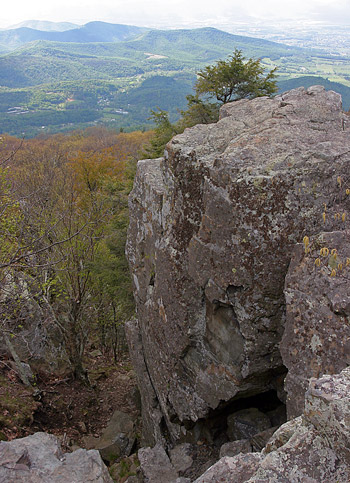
{"x":63,"y":202}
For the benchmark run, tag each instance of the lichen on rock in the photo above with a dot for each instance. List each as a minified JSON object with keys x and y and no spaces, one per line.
{"x":316,"y":339}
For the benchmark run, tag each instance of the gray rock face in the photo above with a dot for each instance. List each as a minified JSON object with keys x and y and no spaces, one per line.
{"x":180,"y":457}
{"x":327,"y":408}
{"x":39,"y":459}
{"x":212,"y":227}
{"x":316,"y":340}
{"x":151,"y":412}
{"x":313,"y":448}
{"x":238,"y":469}
{"x":156,"y":466}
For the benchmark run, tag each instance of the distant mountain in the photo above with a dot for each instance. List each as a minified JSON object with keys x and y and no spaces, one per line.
{"x":90,"y":32}
{"x":45,"y":61}
{"x":44,"y":25}
{"x":209,"y":43}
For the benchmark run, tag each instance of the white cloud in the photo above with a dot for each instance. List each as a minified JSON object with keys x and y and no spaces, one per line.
{"x":172,"y":11}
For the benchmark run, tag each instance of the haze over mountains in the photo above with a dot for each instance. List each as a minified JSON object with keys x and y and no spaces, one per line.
{"x":45,"y":25}
{"x":91,"y":32}
{"x":63,"y":75}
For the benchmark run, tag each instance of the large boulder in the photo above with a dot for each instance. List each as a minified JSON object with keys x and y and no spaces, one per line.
{"x":316,"y":340}
{"x":212,"y":227}
{"x":232,"y":448}
{"x":35,"y":340}
{"x":39,"y":459}
{"x":238,"y":469}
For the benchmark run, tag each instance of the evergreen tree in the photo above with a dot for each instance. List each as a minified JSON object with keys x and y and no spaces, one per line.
{"x":226,"y":81}
{"x":236,"y":78}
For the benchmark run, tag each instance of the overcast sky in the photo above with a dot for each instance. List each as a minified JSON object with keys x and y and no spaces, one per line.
{"x":174,"y":12}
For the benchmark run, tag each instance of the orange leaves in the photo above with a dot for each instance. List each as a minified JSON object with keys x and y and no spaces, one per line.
{"x":89,"y":157}
{"x":66,"y":184}
{"x":89,"y":169}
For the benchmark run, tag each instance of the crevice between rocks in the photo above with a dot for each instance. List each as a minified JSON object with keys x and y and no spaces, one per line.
{"x":215,"y":428}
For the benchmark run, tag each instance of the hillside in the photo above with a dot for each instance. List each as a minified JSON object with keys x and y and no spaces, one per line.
{"x":100,"y":73}
{"x":165,"y":50}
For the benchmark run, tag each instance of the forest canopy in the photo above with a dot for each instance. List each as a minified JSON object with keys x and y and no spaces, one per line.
{"x":63,"y":205}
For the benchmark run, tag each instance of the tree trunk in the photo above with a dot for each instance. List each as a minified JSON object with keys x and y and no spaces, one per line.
{"x":74,"y":353}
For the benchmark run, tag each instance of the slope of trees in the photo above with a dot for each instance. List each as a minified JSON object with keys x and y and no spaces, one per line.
{"x":63,"y":201}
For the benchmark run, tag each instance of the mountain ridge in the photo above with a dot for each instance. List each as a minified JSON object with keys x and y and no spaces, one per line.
{"x":142,"y":51}
{"x":90,"y":32}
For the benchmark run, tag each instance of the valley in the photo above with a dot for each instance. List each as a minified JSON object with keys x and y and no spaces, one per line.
{"x":113,"y":75}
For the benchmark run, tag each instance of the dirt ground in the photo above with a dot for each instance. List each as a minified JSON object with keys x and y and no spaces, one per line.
{"x":64,"y":407}
{"x":73,"y":411}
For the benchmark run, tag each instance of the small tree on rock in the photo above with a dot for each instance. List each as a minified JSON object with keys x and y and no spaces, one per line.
{"x":235,"y":79}
{"x":231,"y":80}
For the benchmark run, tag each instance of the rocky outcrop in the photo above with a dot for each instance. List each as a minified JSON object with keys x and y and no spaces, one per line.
{"x":39,"y":459}
{"x":34,"y":340}
{"x":313,"y":448}
{"x":212,"y":228}
{"x":316,"y":339}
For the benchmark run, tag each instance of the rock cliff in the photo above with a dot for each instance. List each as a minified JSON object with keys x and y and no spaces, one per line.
{"x":213,"y":227}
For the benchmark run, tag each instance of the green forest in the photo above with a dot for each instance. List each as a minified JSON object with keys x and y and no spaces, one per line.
{"x":50,"y":86}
